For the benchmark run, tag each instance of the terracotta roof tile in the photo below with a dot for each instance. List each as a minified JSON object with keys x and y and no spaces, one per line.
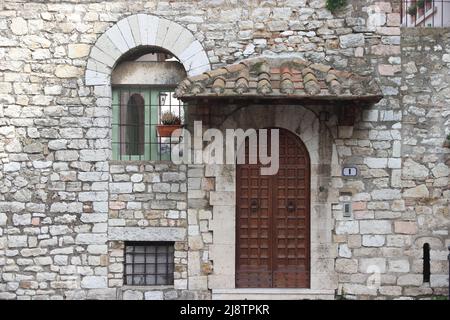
{"x":278,"y":78}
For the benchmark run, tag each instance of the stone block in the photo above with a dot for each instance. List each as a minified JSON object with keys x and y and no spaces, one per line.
{"x":19,"y":26}
{"x":125,"y":30}
{"x":154,"y":295}
{"x":11,"y":167}
{"x":78,"y":50}
{"x":180,"y":284}
{"x":375,"y":226}
{"x":410,"y":280}
{"x":193,"y":263}
{"x":351,"y":40}
{"x":358,"y":289}
{"x":347,"y":227}
{"x":198,"y":283}
{"x":386,"y":194}
{"x":68,"y":71}
{"x":146,"y":234}
{"x":3,"y":219}
{"x":94,"y":155}
{"x":398,"y":265}
{"x":439,"y":281}
{"x":376,"y":163}
{"x":133,"y":295}
{"x":405,"y":227}
{"x":17,"y":241}
{"x":117,"y":38}
{"x":373,"y":240}
{"x":94,"y":282}
{"x":20,"y":219}
{"x":346,"y":265}
{"x":102,"y":294}
{"x":121,"y":187}
{"x":88,"y":238}
{"x":344,"y":251}
{"x":414,"y":170}
{"x":372,"y":265}
{"x":417,"y":192}
{"x":390,"y":290}
{"x":222,"y":198}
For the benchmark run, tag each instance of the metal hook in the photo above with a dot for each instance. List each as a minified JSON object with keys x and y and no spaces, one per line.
{"x":291,"y":206}
{"x":254,"y":204}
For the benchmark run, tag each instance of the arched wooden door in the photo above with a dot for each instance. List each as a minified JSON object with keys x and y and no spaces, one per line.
{"x":273,"y":220}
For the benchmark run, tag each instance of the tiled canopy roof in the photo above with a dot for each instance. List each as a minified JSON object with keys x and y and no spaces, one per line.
{"x":266,"y":77}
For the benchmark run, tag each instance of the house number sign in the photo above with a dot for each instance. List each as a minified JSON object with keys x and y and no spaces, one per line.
{"x":349,"y":172}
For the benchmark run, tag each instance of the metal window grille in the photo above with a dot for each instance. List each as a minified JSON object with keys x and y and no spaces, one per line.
{"x":425,"y":13}
{"x":148,"y":264}
{"x":136,"y":114}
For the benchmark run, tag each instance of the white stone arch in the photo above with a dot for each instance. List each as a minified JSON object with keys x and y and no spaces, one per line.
{"x":141,"y":30}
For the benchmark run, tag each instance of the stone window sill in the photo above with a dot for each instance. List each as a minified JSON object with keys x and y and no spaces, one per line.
{"x":127,"y":162}
{"x":147,"y":288}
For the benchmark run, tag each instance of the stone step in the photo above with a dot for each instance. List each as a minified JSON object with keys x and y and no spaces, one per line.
{"x":272,"y":294}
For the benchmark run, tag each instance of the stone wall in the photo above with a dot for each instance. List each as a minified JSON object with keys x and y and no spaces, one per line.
{"x":425,"y":175}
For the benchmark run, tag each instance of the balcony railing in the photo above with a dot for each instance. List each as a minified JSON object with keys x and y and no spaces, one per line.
{"x":425,"y":13}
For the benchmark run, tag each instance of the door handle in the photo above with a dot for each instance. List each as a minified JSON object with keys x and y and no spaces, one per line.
{"x":254,"y":205}
{"x":291,"y":206}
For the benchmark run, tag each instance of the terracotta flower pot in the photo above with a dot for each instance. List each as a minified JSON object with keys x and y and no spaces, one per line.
{"x":446,"y":144}
{"x":167,"y":130}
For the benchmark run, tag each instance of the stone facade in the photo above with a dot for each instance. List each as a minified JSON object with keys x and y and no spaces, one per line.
{"x":66,"y":208}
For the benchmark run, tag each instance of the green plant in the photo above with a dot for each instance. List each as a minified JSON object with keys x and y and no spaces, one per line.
{"x":333,"y":5}
{"x":439,"y":298}
{"x":447,"y":142}
{"x":420,"y":4}
{"x":168,"y":118}
{"x":412,"y":10}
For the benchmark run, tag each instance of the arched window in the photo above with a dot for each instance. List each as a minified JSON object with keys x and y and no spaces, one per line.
{"x":143,"y":91}
{"x":132,"y":124}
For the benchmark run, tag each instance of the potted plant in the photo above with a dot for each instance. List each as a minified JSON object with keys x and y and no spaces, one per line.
{"x":421,"y":7}
{"x":169,"y":123}
{"x":334,"y":5}
{"x":412,"y":10}
{"x":447,"y":142}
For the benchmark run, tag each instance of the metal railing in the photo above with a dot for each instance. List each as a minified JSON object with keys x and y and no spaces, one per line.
{"x":425,"y":13}
{"x":137,"y":114}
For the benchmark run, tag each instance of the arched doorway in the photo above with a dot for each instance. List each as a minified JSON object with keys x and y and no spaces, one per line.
{"x":273,"y":220}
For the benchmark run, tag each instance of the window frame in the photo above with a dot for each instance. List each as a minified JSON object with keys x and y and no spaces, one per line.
{"x":153,"y":144}
{"x":170,"y":254}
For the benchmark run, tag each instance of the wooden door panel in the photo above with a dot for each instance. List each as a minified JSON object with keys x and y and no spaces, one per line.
{"x":253,"y":229}
{"x":272,"y":235}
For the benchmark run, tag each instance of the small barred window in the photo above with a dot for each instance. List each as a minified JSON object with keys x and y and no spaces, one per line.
{"x":149,"y":263}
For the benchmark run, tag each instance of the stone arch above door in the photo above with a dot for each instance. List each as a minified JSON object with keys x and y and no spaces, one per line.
{"x":142,"y":30}
{"x":306,"y":125}
{"x":296,"y":119}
